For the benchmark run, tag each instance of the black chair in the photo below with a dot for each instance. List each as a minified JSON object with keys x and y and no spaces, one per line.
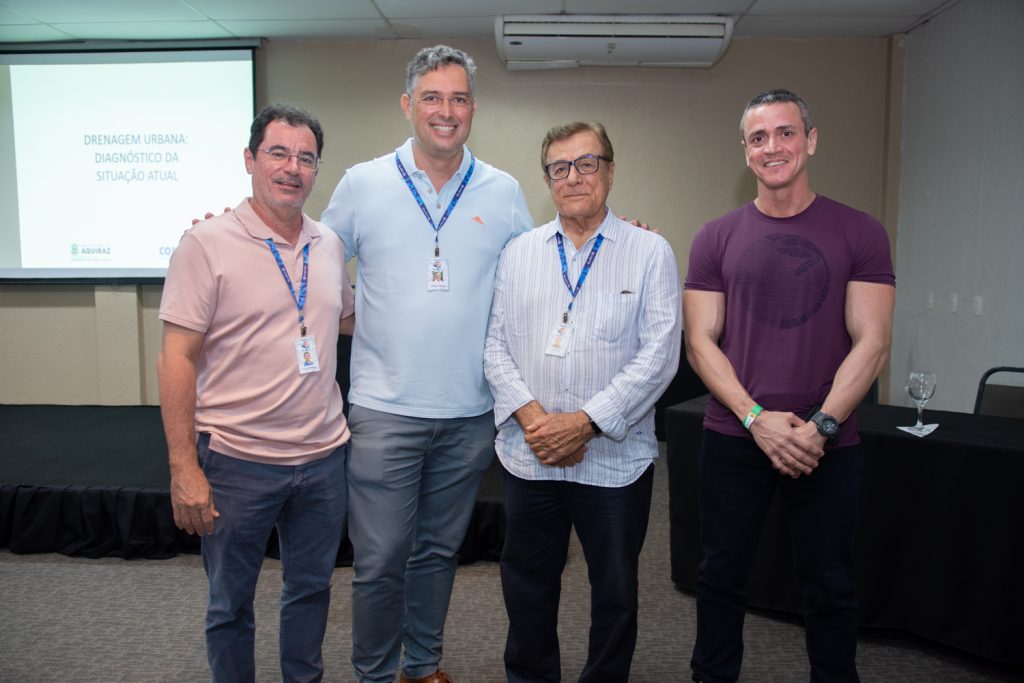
{"x":999,"y":399}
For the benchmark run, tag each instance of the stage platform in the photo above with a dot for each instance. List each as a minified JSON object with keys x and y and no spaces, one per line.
{"x":92,"y":481}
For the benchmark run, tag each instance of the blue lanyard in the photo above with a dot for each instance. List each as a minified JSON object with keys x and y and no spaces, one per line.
{"x":300,"y":300}
{"x":583,"y":273}
{"x":423,"y":207}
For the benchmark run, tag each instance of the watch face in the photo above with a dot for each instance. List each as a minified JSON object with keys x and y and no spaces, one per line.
{"x":827,"y":425}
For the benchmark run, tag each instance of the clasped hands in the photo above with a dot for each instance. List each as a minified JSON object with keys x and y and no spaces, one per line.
{"x":556,"y":439}
{"x":793,"y":445}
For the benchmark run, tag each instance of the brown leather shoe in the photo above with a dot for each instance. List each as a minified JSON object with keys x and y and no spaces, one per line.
{"x":436,"y":677}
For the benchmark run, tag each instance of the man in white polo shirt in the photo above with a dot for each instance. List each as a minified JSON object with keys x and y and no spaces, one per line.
{"x":427,"y":223}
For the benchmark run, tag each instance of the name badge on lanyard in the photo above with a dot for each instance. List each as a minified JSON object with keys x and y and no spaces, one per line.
{"x":561,"y":333}
{"x":558,"y":344}
{"x":306,"y":357}
{"x":437,"y":267}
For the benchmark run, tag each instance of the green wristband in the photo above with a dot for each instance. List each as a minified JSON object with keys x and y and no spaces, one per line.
{"x":751,"y":416}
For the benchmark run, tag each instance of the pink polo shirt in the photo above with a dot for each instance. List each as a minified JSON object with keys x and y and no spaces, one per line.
{"x":223,"y":281}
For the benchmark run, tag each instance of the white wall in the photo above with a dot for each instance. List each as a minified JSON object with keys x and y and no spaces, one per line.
{"x":961,"y":217}
{"x":679,"y":163}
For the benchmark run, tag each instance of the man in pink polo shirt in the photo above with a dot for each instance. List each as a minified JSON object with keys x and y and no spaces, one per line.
{"x":252,"y":306}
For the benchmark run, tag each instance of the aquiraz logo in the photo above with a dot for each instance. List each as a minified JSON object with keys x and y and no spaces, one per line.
{"x":90,"y":252}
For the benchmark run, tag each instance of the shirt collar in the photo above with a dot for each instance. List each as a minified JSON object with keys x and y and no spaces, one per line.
{"x":256,"y":228}
{"x":409,"y":161}
{"x":611,"y":227}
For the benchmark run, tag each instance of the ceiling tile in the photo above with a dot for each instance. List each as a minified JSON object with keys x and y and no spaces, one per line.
{"x":433,"y":19}
{"x":76,"y":11}
{"x":435,"y":29}
{"x":274,"y":10}
{"x":814,"y":27}
{"x":656,"y":6}
{"x":31,"y":33}
{"x":137,"y":30}
{"x":358,"y":29}
{"x":844,"y":8}
{"x":439,"y":9}
{"x":9,"y":17}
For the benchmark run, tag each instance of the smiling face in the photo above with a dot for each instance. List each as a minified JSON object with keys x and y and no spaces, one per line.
{"x":439,"y":131}
{"x":281,"y":188}
{"x":580,"y":199}
{"x":776,"y":146}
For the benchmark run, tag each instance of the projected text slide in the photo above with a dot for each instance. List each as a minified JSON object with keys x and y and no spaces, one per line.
{"x":113,"y":160}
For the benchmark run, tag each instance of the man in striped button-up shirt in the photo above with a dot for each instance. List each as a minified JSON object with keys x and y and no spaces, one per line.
{"x":584,"y":337}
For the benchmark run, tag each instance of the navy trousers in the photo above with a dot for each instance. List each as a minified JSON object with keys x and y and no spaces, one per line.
{"x":736,"y":483}
{"x":611,"y":524}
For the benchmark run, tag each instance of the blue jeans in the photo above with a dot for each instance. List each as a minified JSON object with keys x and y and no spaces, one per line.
{"x":611,"y":524}
{"x":736,"y":483}
{"x":307,"y":503}
{"x":412,"y":489}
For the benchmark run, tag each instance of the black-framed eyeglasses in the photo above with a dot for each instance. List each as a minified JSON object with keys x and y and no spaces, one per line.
{"x":585,"y":165}
{"x":279,"y":155}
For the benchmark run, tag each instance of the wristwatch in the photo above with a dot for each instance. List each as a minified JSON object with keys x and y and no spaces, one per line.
{"x":827,"y":425}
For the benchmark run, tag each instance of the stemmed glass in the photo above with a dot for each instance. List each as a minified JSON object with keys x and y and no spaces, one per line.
{"x":921,"y":387}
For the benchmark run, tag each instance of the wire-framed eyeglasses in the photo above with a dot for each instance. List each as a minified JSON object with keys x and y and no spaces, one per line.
{"x":280,"y":155}
{"x":460,"y":102}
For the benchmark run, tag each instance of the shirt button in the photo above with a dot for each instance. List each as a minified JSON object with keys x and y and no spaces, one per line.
{"x":430,"y":190}
{"x":439,"y":205}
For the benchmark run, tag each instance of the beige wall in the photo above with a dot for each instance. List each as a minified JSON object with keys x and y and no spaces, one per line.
{"x":678,"y":164}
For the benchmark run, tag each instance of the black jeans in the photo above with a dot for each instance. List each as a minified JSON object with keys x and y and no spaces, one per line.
{"x":611,"y":524}
{"x":736,"y":483}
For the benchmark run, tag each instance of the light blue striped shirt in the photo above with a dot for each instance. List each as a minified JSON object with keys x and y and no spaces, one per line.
{"x":623,"y":352}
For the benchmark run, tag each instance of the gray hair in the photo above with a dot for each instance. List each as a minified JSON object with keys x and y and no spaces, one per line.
{"x":779,"y":96}
{"x":431,"y":58}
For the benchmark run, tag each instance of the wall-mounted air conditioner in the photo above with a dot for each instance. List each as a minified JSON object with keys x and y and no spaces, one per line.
{"x":565,"y":41}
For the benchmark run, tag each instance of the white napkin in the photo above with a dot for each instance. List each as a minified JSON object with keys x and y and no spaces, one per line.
{"x":923,"y":430}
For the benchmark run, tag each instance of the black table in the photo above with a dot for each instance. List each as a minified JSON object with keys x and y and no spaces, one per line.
{"x":940,"y":540}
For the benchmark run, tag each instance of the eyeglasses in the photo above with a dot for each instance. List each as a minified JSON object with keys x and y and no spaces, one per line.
{"x":280,"y":156}
{"x":461,"y":102}
{"x":585,"y":165}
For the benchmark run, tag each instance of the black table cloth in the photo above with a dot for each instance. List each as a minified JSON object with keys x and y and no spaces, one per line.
{"x":940,"y":530}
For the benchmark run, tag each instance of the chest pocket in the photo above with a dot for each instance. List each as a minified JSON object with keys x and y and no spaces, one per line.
{"x":618,"y":313}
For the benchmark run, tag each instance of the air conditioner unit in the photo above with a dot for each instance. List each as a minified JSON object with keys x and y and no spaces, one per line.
{"x":565,"y":41}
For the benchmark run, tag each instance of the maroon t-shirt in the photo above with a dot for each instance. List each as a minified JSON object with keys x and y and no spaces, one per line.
{"x":784,"y":281}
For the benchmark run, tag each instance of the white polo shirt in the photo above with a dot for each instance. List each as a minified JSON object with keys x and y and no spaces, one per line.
{"x":418,"y":352}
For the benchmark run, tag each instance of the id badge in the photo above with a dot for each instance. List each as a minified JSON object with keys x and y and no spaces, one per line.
{"x":558,"y":341}
{"x":437,"y":275}
{"x":306,"y":355}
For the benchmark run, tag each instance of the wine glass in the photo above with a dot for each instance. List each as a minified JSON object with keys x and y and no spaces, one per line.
{"x":921,"y":387}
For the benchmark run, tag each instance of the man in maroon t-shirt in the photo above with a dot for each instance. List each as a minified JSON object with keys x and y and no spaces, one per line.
{"x":788,"y":320}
